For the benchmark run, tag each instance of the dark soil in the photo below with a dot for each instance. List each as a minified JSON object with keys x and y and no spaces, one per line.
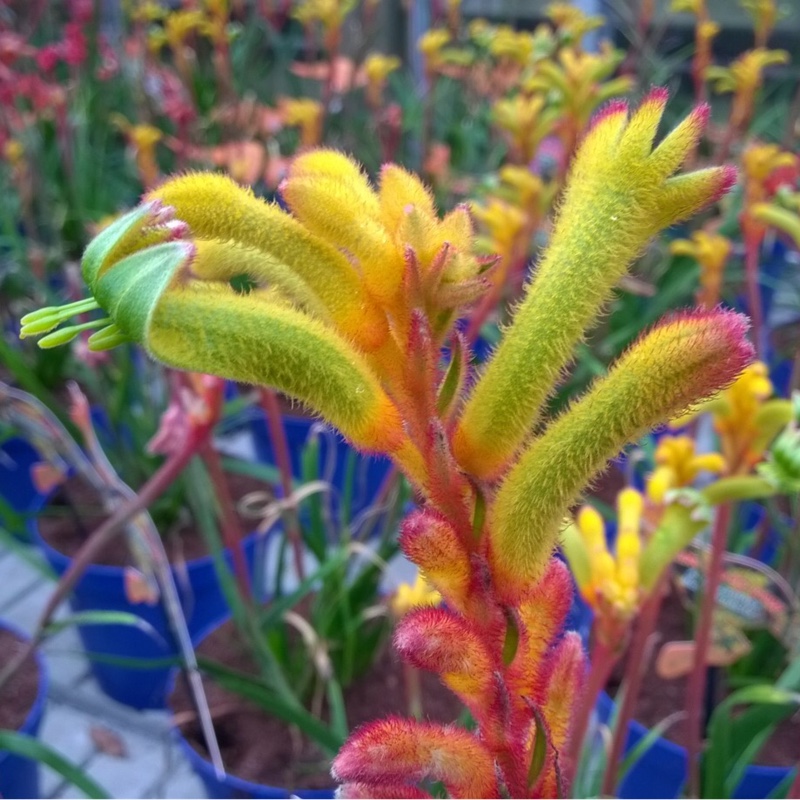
{"x":19,"y":693}
{"x":262,"y":749}
{"x":76,"y":511}
{"x":660,"y":698}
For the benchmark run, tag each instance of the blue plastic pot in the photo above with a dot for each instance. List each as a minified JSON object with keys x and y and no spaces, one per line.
{"x":19,"y":777}
{"x":335,"y":455}
{"x":103,"y":588}
{"x":661,"y":771}
{"x":16,"y":486}
{"x":230,"y":786}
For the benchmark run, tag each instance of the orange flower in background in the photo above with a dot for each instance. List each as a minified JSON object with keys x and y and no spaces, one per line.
{"x":245,"y":162}
{"x":339,"y":73}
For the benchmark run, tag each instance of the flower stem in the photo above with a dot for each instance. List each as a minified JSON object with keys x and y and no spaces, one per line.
{"x":753,"y":291}
{"x":603,"y":660}
{"x":697,"y":678}
{"x":635,"y":669}
{"x":147,"y":495}
{"x":229,"y":524}
{"x":280,"y":447}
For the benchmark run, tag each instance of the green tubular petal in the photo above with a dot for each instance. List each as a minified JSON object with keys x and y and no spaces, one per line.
{"x":223,"y":261}
{"x":207,"y":327}
{"x":120,"y":238}
{"x":679,"y":525}
{"x":245,"y":338}
{"x":215,"y":207}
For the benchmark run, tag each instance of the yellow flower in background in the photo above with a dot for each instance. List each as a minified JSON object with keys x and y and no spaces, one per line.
{"x":696,"y":7}
{"x":377,"y":68}
{"x":306,"y":114}
{"x":706,"y":31}
{"x":759,"y":161}
{"x":611,"y":584}
{"x":431,"y":44}
{"x":149,"y":11}
{"x":744,"y":77}
{"x":678,"y":465}
{"x":142,"y":139}
{"x":783,"y":213}
{"x":526,"y":121}
{"x":408,"y":596}
{"x":765,"y":14}
{"x":503,"y":223}
{"x":746,"y":418}
{"x":575,"y":84}
{"x":13,"y":152}
{"x":512,"y":45}
{"x":179,"y":25}
{"x":711,"y":251}
{"x":329,"y":13}
{"x":571,"y":22}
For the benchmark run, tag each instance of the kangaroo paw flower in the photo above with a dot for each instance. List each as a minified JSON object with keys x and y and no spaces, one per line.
{"x":618,"y":196}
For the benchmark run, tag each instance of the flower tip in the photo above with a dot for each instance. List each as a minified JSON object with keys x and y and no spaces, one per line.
{"x":729,"y":176}
{"x":701,"y":114}
{"x":658,"y":95}
{"x":611,"y":109}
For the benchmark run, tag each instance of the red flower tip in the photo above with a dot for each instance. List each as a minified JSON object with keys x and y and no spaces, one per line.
{"x":658,"y":95}
{"x":720,"y":332}
{"x":611,"y":109}
{"x":729,"y":176}
{"x":701,"y":114}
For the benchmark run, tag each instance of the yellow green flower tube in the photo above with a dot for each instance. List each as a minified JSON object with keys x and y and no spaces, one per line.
{"x":618,"y":196}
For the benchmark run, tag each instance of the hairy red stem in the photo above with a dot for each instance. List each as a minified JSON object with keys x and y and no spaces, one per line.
{"x":603,"y":660}
{"x":697,"y":679}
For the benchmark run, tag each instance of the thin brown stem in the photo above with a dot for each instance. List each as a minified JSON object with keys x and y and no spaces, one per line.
{"x":695,"y":689}
{"x":147,"y":495}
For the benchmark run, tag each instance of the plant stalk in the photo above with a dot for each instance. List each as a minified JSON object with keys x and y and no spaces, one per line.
{"x":635,"y":670}
{"x":280,"y":447}
{"x":603,"y":659}
{"x":697,"y":679}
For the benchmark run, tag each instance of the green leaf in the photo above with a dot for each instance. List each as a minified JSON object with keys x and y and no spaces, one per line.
{"x":337,"y":708}
{"x":644,"y":745}
{"x":252,"y":688}
{"x":539,"y":752}
{"x":21,"y":744}
{"x":96,"y":617}
{"x":735,"y":742}
{"x":452,"y":379}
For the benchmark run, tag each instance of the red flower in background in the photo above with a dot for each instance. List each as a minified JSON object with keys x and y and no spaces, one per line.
{"x":47,"y":57}
{"x":74,"y":47}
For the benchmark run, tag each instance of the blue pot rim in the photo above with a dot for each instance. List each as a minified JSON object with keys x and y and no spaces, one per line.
{"x":606,"y":704}
{"x":102,"y":570}
{"x":205,"y":768}
{"x":36,"y":712}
